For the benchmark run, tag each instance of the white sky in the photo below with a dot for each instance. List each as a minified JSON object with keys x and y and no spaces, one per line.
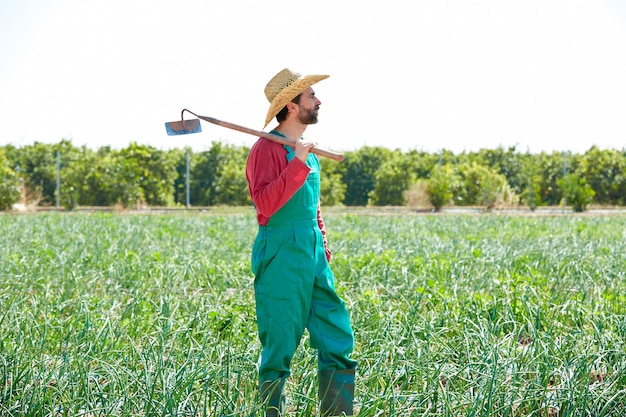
{"x":409,"y":74}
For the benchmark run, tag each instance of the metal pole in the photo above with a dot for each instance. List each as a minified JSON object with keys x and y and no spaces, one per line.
{"x":564,"y":174}
{"x":58,"y":191}
{"x":531,"y":194}
{"x":187,"y":204}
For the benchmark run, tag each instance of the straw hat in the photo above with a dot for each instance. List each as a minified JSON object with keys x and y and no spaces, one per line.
{"x":284,"y":87}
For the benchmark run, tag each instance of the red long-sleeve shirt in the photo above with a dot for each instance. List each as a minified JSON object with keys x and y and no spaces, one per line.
{"x":272,"y":181}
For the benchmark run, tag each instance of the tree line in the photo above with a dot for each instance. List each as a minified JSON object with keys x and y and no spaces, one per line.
{"x":71,"y":176}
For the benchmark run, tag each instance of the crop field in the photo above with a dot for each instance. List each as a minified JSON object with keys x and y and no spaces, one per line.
{"x":122,"y":314}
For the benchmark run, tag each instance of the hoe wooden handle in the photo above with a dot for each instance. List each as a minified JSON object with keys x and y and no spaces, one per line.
{"x":276,"y":138}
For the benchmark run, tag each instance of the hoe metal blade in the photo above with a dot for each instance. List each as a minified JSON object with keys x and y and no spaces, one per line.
{"x":183,"y":127}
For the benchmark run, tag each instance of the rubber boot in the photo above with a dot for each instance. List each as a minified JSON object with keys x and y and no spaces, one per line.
{"x":336,"y":392}
{"x":272,"y":397}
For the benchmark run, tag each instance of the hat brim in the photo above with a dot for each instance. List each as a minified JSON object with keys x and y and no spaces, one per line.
{"x":289,"y":93}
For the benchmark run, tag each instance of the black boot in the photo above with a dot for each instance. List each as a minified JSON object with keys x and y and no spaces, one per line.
{"x":336,"y":392}
{"x":272,"y":397}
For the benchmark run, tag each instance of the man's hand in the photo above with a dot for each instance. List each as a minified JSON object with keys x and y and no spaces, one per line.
{"x":302,"y":149}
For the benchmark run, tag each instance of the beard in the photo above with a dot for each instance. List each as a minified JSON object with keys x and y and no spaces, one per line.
{"x":308,"y":116}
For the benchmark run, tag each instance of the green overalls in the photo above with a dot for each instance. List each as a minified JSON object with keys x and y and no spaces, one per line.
{"x":294,"y":288}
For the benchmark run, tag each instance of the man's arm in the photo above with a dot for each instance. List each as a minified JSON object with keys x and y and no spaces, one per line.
{"x":272,"y":180}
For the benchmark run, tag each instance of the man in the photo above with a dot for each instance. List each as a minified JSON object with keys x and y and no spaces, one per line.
{"x":294,"y":285}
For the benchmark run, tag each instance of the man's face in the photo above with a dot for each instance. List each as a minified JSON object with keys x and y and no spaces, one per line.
{"x":308,"y":106}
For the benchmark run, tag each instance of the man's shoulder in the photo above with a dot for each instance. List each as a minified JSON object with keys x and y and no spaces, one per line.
{"x":267,"y":146}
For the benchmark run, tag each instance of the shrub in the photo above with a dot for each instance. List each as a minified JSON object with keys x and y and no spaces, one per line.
{"x":440,"y":185}
{"x":417,"y":195}
{"x":483,"y":186}
{"x":576,"y":192}
{"x":9,"y":184}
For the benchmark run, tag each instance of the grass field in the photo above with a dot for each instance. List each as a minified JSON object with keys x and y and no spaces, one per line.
{"x":148,"y":315}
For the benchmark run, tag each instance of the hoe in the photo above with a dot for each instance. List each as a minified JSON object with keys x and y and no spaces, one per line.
{"x":184,"y":127}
